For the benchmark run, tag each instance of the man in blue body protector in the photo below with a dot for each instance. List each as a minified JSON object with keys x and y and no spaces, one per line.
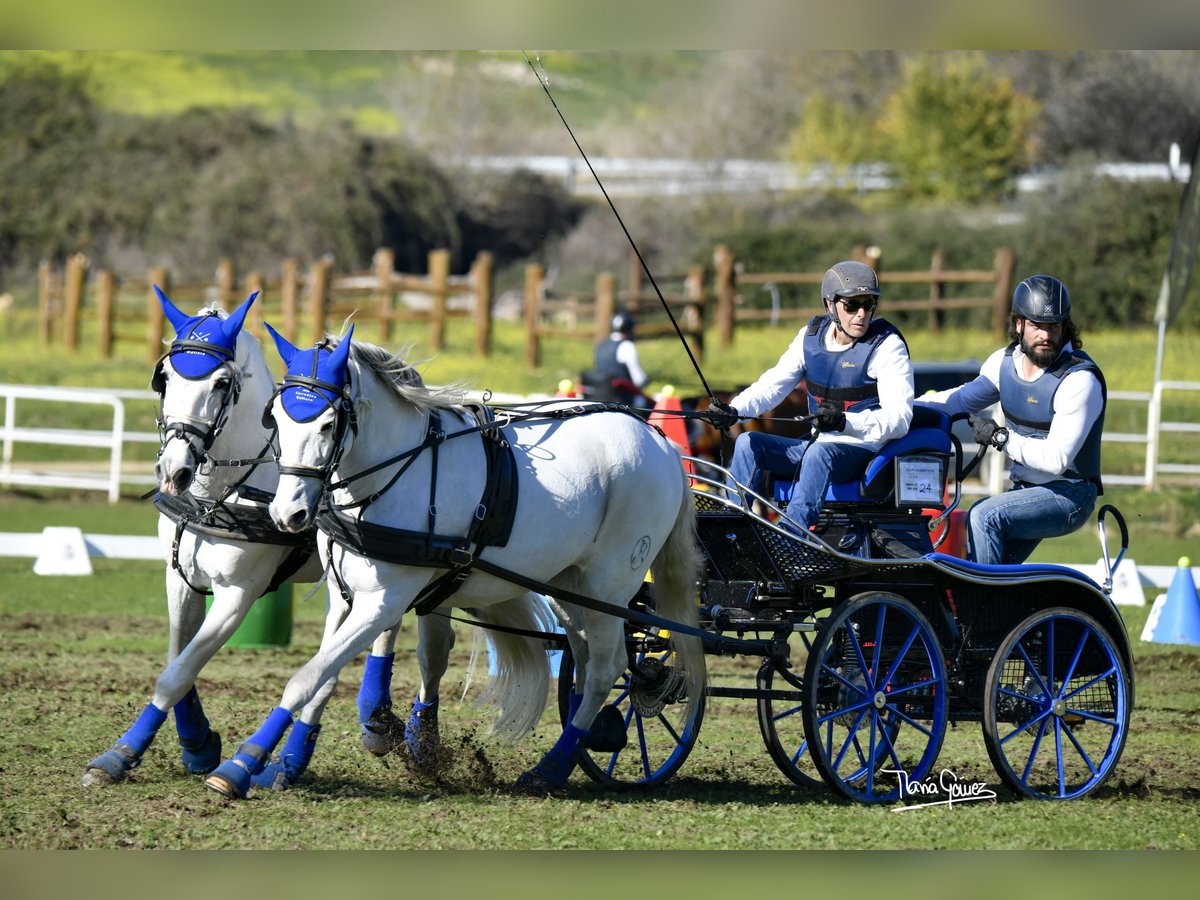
{"x":617,"y":375}
{"x":1053,"y":397}
{"x":860,"y":393}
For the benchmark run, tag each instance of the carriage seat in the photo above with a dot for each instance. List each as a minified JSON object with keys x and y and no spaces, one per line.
{"x":929,"y":432}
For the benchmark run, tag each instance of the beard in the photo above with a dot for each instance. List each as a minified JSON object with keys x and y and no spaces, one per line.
{"x":1042,"y":356}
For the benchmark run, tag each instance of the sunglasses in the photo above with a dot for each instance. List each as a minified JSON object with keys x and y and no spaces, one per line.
{"x":854,"y":304}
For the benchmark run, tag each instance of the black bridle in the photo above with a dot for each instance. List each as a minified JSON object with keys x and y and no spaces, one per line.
{"x":203,"y":430}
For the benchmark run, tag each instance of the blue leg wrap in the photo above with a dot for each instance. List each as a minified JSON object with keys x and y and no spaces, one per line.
{"x":285,"y":770}
{"x":376,"y":689}
{"x":421,"y":733}
{"x":138,"y":737}
{"x":253,"y":756}
{"x":201,"y":746}
{"x":556,"y":766}
{"x":573,"y":704}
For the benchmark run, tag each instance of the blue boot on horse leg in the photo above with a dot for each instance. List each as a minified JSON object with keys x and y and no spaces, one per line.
{"x":200,"y":745}
{"x":285,"y":770}
{"x":552,"y":772}
{"x":421,"y":734}
{"x":382,"y":729}
{"x":232,"y":778}
{"x":435,"y":640}
{"x":125,"y":755}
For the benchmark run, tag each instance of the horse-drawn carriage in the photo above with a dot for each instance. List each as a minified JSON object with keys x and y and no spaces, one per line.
{"x":870,"y":642}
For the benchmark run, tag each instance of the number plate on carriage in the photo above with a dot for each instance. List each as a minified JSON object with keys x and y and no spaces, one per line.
{"x":920,"y":480}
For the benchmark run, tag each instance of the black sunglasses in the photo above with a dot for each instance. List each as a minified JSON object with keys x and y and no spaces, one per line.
{"x":853,"y":304}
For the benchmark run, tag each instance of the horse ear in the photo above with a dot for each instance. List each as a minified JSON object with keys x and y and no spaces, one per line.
{"x":233,"y":324}
{"x":341,"y":353}
{"x":286,"y":350}
{"x":176,"y":317}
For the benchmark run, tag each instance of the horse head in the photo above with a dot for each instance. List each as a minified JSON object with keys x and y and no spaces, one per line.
{"x":198,"y":382}
{"x":314,"y":418}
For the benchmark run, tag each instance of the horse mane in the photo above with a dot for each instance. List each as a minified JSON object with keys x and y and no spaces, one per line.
{"x":403,"y":379}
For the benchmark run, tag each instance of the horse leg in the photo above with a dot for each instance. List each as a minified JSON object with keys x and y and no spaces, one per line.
{"x":367,"y":619}
{"x":605,"y":660}
{"x":435,"y":640}
{"x":382,"y":730}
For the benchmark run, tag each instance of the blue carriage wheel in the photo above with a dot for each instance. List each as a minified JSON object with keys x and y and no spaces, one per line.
{"x":653,"y":715}
{"x":1057,"y":701}
{"x":875,"y":702}
{"x":780,"y":721}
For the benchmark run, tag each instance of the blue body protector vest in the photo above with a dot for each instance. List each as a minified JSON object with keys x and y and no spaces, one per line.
{"x":606,"y":364}
{"x":1029,"y":409}
{"x":842,"y":377}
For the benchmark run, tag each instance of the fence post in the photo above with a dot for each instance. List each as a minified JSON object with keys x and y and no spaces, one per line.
{"x":105,"y":290}
{"x":937,"y":315}
{"x":289,"y":289}
{"x":483,"y":278}
{"x":45,"y":282}
{"x":693,"y":313}
{"x":256,"y":282}
{"x":226,"y":279}
{"x":605,"y":306}
{"x":154,"y":312}
{"x":318,"y":296}
{"x":384,"y":265}
{"x":73,"y":297}
{"x":439,"y":278}
{"x":724,"y":290}
{"x":1004,"y":267}
{"x":534,"y":274}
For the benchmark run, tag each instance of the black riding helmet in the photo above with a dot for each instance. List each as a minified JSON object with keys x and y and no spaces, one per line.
{"x":1042,"y":299}
{"x":623,"y":323}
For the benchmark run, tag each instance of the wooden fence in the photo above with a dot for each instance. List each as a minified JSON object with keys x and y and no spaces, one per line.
{"x":729,"y":275}
{"x":588,"y":317}
{"x":298,"y":303}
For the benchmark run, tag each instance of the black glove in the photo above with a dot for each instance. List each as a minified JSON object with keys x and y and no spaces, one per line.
{"x":829,"y":417}
{"x":722,"y":415}
{"x":988,"y":432}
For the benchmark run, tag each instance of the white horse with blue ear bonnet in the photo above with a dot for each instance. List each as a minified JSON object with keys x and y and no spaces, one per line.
{"x":600,"y":497}
{"x":214,"y":383}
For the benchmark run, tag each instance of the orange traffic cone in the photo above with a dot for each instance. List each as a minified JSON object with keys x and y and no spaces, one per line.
{"x":674,"y":427}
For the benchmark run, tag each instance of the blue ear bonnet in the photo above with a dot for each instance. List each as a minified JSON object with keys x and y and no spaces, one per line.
{"x":194,"y":362}
{"x":324,"y":382}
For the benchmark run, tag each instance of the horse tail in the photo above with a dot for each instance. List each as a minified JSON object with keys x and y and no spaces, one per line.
{"x":676,"y":572}
{"x":520,"y":684}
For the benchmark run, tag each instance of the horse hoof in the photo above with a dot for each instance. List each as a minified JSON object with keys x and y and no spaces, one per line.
{"x":534,"y":784}
{"x":230,"y":780}
{"x":201,"y":757}
{"x":110,"y":767}
{"x":421,"y":735}
{"x":607,"y":734}
{"x":383,"y":732}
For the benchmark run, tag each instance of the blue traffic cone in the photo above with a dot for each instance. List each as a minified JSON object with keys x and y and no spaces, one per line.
{"x":1175,"y":617}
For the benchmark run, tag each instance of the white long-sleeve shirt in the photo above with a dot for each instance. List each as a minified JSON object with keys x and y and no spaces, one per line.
{"x":889,"y":366}
{"x":1078,"y":402}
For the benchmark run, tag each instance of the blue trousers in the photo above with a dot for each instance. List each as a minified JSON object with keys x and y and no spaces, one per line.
{"x":1006,"y":529}
{"x":813,"y":465}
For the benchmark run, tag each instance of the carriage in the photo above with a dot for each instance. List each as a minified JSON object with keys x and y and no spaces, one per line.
{"x":872,"y":642}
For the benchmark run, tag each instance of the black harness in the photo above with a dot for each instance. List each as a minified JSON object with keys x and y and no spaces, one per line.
{"x":490,"y":526}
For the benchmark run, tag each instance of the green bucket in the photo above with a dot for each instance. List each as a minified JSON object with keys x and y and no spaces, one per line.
{"x":269,"y":622}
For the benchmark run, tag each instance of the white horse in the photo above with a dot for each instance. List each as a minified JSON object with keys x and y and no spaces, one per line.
{"x":214,"y":384}
{"x":600,"y":497}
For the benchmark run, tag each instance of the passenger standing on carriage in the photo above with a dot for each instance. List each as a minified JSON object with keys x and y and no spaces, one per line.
{"x":1053,"y":397}
{"x":860,"y":394}
{"x":617,"y":375}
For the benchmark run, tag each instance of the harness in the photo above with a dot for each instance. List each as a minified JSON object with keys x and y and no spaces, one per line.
{"x":235,"y":521}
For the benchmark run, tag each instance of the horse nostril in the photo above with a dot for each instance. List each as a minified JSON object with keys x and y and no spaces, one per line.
{"x":182,"y":479}
{"x":298,"y":520}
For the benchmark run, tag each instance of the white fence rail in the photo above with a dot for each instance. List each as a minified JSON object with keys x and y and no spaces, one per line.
{"x":110,"y":434}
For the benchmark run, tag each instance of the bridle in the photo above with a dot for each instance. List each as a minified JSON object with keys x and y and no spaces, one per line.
{"x":188,"y":427}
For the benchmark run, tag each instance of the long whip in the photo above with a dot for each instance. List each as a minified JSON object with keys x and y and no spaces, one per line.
{"x":544,"y":81}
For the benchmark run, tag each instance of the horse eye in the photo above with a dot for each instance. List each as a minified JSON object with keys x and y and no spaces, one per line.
{"x":327,"y":425}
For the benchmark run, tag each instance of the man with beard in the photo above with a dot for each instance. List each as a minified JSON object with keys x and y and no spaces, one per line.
{"x":1053,"y":398}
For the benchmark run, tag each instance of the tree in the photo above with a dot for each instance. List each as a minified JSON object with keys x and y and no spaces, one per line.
{"x":956,"y":130}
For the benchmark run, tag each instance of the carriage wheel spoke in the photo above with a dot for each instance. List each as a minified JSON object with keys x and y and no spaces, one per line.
{"x":1033,"y":669}
{"x":912,"y":636}
{"x":1083,"y":753}
{"x":1075,"y":658}
{"x":1037,"y":742}
{"x":1111,"y":671}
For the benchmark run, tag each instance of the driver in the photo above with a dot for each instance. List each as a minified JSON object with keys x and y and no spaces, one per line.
{"x":1053,"y":398}
{"x":860,"y":395}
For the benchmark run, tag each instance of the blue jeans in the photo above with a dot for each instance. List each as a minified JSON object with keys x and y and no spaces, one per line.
{"x":819,"y":463}
{"x":1006,"y":529}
